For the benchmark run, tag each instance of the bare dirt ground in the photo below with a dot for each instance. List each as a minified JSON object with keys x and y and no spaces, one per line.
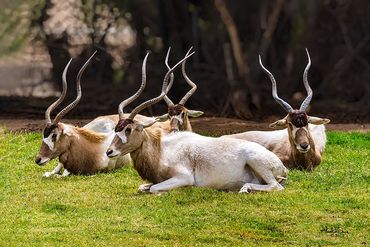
{"x":206,"y":125}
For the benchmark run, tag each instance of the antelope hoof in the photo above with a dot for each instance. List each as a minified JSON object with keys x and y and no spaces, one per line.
{"x":66,"y":173}
{"x":47,"y":174}
{"x":279,"y":187}
{"x":145,"y":187}
{"x":245,"y":189}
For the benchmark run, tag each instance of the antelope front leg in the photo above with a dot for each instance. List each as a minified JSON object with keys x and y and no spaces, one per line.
{"x":66,"y":173}
{"x":56,"y":170}
{"x":172,"y":183}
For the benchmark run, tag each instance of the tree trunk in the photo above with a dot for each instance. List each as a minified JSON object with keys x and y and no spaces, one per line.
{"x":237,"y":97}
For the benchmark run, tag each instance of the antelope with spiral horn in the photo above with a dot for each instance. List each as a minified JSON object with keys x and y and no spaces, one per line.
{"x":80,"y":150}
{"x":302,"y":143}
{"x":178,"y":114}
{"x":187,"y":159}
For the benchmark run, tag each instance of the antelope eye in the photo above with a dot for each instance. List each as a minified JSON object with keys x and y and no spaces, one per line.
{"x":128,"y":130}
{"x":54,"y":137}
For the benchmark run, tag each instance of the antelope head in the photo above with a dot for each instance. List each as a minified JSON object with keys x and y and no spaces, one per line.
{"x":130,"y":133}
{"x":55,"y":140}
{"x":178,"y":114}
{"x":297,"y":120}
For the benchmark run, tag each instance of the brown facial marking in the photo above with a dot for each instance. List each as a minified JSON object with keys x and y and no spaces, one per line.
{"x":122,"y":123}
{"x":301,"y":136}
{"x":175,"y":110}
{"x":45,"y":151}
{"x":49,"y":128}
{"x":298,"y":119}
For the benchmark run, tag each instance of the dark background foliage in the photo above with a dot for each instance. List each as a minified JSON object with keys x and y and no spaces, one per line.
{"x":227,"y":37}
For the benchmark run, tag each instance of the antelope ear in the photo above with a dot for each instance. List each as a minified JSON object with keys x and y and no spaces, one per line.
{"x":279,"y":124}
{"x":66,"y":130}
{"x":193,"y":113}
{"x":162,"y":118}
{"x":149,"y":123}
{"x":317,"y":120}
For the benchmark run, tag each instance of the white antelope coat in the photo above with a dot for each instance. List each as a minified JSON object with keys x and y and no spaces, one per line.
{"x":221,"y":163}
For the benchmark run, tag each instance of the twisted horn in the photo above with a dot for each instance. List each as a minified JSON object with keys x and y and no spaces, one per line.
{"x":69,"y":107}
{"x":126,"y":102}
{"x":307,"y":101}
{"x":163,"y":92}
{"x":281,"y":102}
{"x":190,"y":82}
{"x":172,"y":77}
{"x":61,"y":97}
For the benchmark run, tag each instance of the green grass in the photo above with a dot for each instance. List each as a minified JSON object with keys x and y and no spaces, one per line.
{"x":329,"y":206}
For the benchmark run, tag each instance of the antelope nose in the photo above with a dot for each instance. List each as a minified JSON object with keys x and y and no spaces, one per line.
{"x":109,"y":152}
{"x":37,"y":160}
{"x":304,"y":145}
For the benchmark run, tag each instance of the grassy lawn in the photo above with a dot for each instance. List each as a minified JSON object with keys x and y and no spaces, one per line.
{"x":329,"y":206}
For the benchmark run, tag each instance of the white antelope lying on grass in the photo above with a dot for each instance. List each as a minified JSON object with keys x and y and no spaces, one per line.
{"x":80,"y":150}
{"x":302,"y":143}
{"x":187,"y":159}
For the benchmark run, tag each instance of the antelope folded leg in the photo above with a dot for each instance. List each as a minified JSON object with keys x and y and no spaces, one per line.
{"x":249,"y":187}
{"x":172,"y":183}
{"x":56,"y":170}
{"x":145,"y":187}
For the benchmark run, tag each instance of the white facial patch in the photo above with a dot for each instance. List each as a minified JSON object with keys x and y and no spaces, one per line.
{"x":179,"y":118}
{"x":49,"y":142}
{"x":298,"y":147}
{"x":295,"y":129}
{"x":122,"y":136}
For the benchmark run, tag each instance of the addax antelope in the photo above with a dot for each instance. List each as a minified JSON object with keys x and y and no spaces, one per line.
{"x":106,"y":124}
{"x":302,"y":143}
{"x":188,"y":159}
{"x":178,"y":114}
{"x":80,"y":150}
